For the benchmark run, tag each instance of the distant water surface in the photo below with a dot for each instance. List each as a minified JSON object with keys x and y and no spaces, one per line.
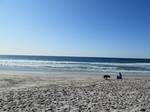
{"x":48,"y":64}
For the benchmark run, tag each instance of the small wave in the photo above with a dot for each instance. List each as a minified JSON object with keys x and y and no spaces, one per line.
{"x":73,"y":66}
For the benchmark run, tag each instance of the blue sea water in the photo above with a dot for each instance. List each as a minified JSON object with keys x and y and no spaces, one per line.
{"x":50,"y":64}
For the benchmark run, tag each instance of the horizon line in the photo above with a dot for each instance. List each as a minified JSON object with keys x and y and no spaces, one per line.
{"x":72,"y":56}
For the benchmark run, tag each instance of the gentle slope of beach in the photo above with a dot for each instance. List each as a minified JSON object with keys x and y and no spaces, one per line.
{"x":26,"y":93}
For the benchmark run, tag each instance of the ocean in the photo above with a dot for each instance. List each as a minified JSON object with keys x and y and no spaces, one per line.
{"x":49,"y":64}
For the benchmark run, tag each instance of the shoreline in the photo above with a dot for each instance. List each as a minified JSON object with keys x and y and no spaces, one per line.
{"x":14,"y":81}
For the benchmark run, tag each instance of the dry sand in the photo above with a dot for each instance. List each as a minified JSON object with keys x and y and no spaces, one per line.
{"x":28,"y":93}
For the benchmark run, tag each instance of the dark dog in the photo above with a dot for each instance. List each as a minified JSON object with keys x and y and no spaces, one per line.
{"x":106,"y":76}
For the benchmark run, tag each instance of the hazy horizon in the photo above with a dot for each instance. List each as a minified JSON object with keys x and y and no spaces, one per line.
{"x":70,"y":56}
{"x":87,"y":28}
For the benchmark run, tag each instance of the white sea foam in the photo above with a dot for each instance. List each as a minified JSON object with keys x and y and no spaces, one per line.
{"x":73,"y":66}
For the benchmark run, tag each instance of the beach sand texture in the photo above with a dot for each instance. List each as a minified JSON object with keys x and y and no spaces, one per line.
{"x":27,"y":93}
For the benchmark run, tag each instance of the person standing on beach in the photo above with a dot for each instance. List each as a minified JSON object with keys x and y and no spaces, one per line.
{"x":120,"y":76}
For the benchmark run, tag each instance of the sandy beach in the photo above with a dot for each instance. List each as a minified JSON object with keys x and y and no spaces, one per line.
{"x":29,"y":93}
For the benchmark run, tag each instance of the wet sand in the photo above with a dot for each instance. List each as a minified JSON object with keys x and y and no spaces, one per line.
{"x":29,"y":93}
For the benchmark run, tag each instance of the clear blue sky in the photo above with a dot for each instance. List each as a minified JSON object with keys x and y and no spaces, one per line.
{"x":105,"y":28}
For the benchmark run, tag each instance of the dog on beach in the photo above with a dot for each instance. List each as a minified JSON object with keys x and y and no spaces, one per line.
{"x":106,"y":76}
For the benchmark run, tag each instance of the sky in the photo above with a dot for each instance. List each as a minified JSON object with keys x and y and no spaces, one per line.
{"x":97,"y":28}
